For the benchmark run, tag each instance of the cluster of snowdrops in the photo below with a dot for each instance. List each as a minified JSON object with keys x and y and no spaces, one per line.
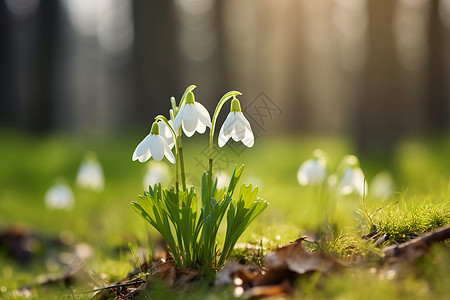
{"x":189,"y":226}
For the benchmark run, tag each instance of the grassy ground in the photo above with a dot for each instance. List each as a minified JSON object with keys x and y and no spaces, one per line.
{"x":29,"y":166}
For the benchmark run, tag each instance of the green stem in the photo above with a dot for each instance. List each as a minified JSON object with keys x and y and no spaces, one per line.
{"x":180,"y":153}
{"x":162,"y":118}
{"x":222,"y":101}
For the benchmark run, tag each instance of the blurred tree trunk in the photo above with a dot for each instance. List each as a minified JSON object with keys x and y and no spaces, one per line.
{"x":438,"y":99}
{"x":39,"y":111}
{"x":156,"y":58}
{"x":379,"y":113}
{"x":8,"y":108}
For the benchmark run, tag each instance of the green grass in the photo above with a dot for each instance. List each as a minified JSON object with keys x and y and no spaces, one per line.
{"x":421,"y":169}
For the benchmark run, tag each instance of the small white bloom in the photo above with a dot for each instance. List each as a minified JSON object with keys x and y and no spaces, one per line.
{"x":157,"y":172}
{"x":166,"y":133}
{"x":59,"y":196}
{"x":382,"y":185}
{"x":153,"y":145}
{"x":192,"y":116}
{"x":353,"y":181}
{"x":223,"y":179}
{"x":90,"y":173}
{"x":312,"y":172}
{"x":236,"y":126}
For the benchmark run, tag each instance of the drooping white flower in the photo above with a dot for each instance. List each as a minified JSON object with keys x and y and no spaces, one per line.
{"x":313,"y":171}
{"x":157,"y":172}
{"x":59,"y":196}
{"x":352,"y":178}
{"x":153,"y":145}
{"x":90,"y":173}
{"x":166,"y":133}
{"x":382,"y":185}
{"x":192,"y":116}
{"x":236,"y":126}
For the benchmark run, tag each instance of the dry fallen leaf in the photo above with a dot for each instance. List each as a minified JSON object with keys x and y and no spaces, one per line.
{"x":296,"y":258}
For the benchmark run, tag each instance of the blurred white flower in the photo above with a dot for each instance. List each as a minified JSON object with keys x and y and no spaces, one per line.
{"x":236,"y":126}
{"x":153,"y":145}
{"x":192,"y":116}
{"x":314,"y":170}
{"x":157,"y":172}
{"x":166,"y":133}
{"x":223,"y":179}
{"x":90,"y":173}
{"x":353,"y":181}
{"x":382,"y":185}
{"x":59,"y":196}
{"x":351,"y":177}
{"x":311,"y":172}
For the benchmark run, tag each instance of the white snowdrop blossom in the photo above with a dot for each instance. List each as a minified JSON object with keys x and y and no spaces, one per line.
{"x":166,"y":133}
{"x":153,"y":145}
{"x":157,"y":172}
{"x":236,"y":126}
{"x":59,"y":197}
{"x":382,"y":185}
{"x":313,"y":171}
{"x":90,"y":174}
{"x":192,"y":116}
{"x":351,"y":177}
{"x":353,"y":181}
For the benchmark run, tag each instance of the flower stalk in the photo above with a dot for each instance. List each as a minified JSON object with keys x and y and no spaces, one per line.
{"x":222,"y":101}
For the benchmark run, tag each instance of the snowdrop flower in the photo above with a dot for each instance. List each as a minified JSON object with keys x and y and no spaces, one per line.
{"x":313,"y":171}
{"x":223,"y":179}
{"x":166,"y":133}
{"x":157,"y":172}
{"x":90,"y":173}
{"x":352,"y":177}
{"x":236,"y":126}
{"x":153,"y":145}
{"x":59,"y":196}
{"x":192,"y":116}
{"x":382,"y":185}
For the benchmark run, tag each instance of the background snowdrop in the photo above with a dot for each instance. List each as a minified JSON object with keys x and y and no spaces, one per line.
{"x":382,"y":186}
{"x":157,"y":172}
{"x":59,"y":196}
{"x":90,"y":173}
{"x":223,"y":179}
{"x":314,"y":170}
{"x":351,"y":177}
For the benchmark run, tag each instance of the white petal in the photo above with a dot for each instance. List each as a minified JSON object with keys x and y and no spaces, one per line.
{"x":239,"y":129}
{"x":223,"y":139}
{"x":190,"y":118}
{"x":156,"y":147}
{"x":234,"y":136}
{"x":179,"y":117}
{"x":228,"y":124}
{"x":203,"y":114}
{"x":144,"y":157}
{"x":249,"y":139}
{"x":166,"y":134}
{"x":168,"y":153}
{"x":187,"y":132}
{"x":244,"y":120}
{"x":141,"y":148}
{"x":201,"y":128}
